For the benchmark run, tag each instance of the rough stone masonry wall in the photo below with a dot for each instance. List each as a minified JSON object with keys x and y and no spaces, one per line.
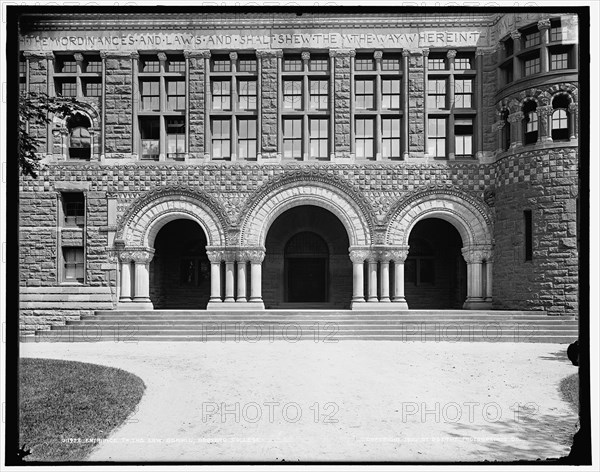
{"x":38,"y":80}
{"x":268,"y":104}
{"x":416,"y":119}
{"x":544,"y":182}
{"x":342,"y":105}
{"x":119,"y":96}
{"x":196,"y":110}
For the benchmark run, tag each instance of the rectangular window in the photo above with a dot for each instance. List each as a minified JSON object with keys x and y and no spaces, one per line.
{"x":247,"y":65}
{"x":364,"y":138}
{"x":319,"y":94}
{"x":436,"y":139}
{"x":22,"y":66}
{"x":175,"y":138}
{"x":364,"y":93}
{"x":93,"y":65}
{"x":463,"y":138}
{"x":221,"y":65}
{"x":292,"y":94}
{"x":318,"y":138}
{"x":67,"y":88}
{"x":390,"y":64}
{"x":463,"y":93}
{"x":150,"y":137}
{"x":555,"y":31}
{"x":73,"y":264}
{"x":462,"y":63}
{"x":73,"y":209}
{"x":247,"y":138}
{"x":293,"y":65}
{"x":175,"y":95}
{"x":68,"y":66}
{"x":221,"y":139}
{"x":221,"y":95}
{"x":436,"y":94}
{"x":150,"y":65}
{"x":531,"y":125}
{"x":390,"y":134}
{"x":292,"y":138}
{"x":559,"y":61}
{"x":528,"y":217}
{"x":318,"y":64}
{"x":247,"y":94}
{"x":532,"y":66}
{"x":532,"y":39}
{"x":92,"y":88}
{"x":150,"y":91}
{"x":176,"y":65}
{"x":390,"y":94}
{"x":364,"y":64}
{"x":436,"y":63}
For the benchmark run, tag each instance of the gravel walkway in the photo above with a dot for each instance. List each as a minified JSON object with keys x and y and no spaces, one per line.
{"x":345,"y":401}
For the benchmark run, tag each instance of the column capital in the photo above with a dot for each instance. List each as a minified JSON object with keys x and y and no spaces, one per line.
{"x":205,"y":53}
{"x":305,"y":55}
{"x":143,"y":256}
{"x":49,"y":55}
{"x":358,"y":255}
{"x":103,"y":54}
{"x":451,"y":54}
{"x":255,"y":256}
{"x":78,"y":57}
{"x":342,"y":52}
{"x":543,"y":24}
{"x":133,"y":55}
{"x":476,"y":254}
{"x":215,"y":255}
{"x":233,"y":55}
{"x":573,"y":107}
{"x":545,"y":110}
{"x":399,"y":254}
{"x":515,"y":35}
{"x":405,"y":53}
{"x":377,"y":55}
{"x":162,"y":57}
{"x":425,"y":52}
{"x":269,"y":53}
{"x":125,"y":256}
{"x":515,"y":117}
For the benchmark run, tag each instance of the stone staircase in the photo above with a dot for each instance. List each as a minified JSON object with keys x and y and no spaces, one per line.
{"x":314,"y":325}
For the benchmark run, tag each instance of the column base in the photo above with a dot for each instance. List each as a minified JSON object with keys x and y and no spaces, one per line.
{"x":400,"y":304}
{"x":234,"y":306}
{"x":141,"y":305}
{"x":480,"y":304}
{"x":378,"y":307}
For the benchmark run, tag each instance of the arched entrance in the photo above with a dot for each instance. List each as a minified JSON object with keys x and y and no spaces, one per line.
{"x":306,"y":263}
{"x":435,"y":272}
{"x":180,"y":269}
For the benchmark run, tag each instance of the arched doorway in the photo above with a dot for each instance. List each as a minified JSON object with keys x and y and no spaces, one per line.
{"x":307,"y":263}
{"x":180,"y":269}
{"x":435,"y":272}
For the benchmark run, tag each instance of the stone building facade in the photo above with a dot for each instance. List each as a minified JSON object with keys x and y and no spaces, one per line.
{"x":328,"y":160}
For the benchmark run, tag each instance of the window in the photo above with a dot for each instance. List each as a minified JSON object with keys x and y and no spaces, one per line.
{"x":436,"y":94}
{"x":247,"y":138}
{"x":221,"y":95}
{"x":73,"y":209}
{"x":559,"y":61}
{"x":67,"y":65}
{"x":436,"y":137}
{"x":436,"y":63}
{"x":149,"y":64}
{"x":292,"y":138}
{"x":176,"y":64}
{"x":293,"y":65}
{"x":505,"y":137}
{"x":221,"y":138}
{"x":363,"y":63}
{"x":221,"y":65}
{"x":22,"y":73}
{"x":419,"y":267}
{"x":150,"y":137}
{"x":560,"y":118}
{"x":78,"y":75}
{"x":292,"y":94}
{"x":530,"y":121}
{"x":462,"y":63}
{"x":319,"y":94}
{"x":247,"y":94}
{"x":507,"y":72}
{"x":66,"y":88}
{"x":364,"y":138}
{"x":391,"y":64}
{"x":532,"y":66}
{"x":93,"y":64}
{"x":364,"y":93}
{"x":532,"y":38}
{"x":528,"y":221}
{"x":150,"y":92}
{"x":463,"y":138}
{"x":73,"y":264}
{"x":79,"y":137}
{"x":175,"y":138}
{"x":463,"y":93}
{"x":92,"y":88}
{"x":390,"y":94}
{"x":555,"y":31}
{"x":318,"y":138}
{"x":247,"y":65}
{"x":175,"y":95}
{"x":318,"y":65}
{"x":390,"y":134}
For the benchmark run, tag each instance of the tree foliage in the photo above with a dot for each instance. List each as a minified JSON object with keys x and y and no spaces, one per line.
{"x":38,"y":109}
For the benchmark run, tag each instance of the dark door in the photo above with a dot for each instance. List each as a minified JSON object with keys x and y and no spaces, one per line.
{"x":307,"y":280}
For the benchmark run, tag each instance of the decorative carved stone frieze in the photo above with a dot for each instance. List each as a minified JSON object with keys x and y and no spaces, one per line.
{"x":342,"y":52}
{"x":269,"y":53}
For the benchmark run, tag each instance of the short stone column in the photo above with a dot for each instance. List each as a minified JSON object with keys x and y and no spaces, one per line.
{"x":215,"y":258}
{"x":384,"y":275}
{"x":141,"y":298}
{"x":358,"y":256}
{"x":573,"y":122}
{"x":229,"y":277}
{"x":372,"y":262}
{"x":474,"y":256}
{"x":489,"y":263}
{"x":544,"y":28}
{"x":125,"y":281}
{"x":516,"y":130}
{"x":544,"y":120}
{"x":242,"y":262}
{"x":256,"y":257}
{"x":399,"y":255}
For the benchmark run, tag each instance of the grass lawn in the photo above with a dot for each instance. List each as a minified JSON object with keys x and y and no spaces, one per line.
{"x":66,"y":406}
{"x":569,"y":388}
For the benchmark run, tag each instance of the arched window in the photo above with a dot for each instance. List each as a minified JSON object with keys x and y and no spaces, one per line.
{"x":530,"y":122}
{"x":79,"y":137}
{"x":505,"y":132}
{"x":560,"y":118}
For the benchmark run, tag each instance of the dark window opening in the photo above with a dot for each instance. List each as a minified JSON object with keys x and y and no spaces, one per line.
{"x":73,"y":264}
{"x":527,"y":214}
{"x":150,"y":137}
{"x":73,"y":208}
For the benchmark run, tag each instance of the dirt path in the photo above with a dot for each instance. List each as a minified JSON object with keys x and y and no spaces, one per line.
{"x":351,"y":400}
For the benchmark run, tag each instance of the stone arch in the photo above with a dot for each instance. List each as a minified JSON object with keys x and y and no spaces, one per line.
{"x":540,"y":97}
{"x":291,"y":192}
{"x":143,"y":220}
{"x":564,"y":89}
{"x":467,"y":214}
